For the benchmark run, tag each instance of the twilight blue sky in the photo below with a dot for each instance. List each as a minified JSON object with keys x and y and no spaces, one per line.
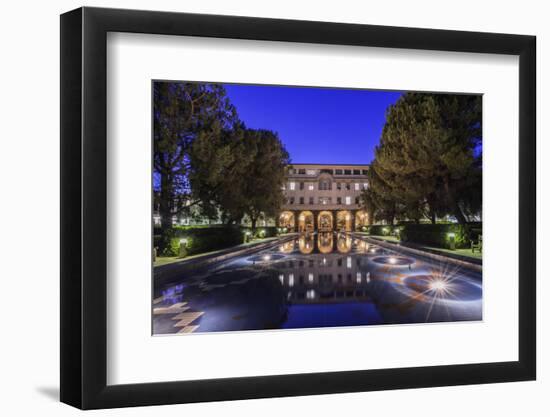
{"x":316,"y":125}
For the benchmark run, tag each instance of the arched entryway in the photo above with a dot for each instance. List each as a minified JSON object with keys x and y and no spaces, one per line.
{"x":344,"y":221}
{"x":286,"y":221}
{"x":325,"y":221}
{"x":305,"y":222}
{"x":361,"y":219}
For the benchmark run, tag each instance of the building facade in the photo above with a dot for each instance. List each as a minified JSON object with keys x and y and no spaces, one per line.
{"x":324,"y":198}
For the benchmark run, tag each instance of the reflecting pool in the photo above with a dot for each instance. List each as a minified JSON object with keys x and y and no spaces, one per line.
{"x":318,"y":280}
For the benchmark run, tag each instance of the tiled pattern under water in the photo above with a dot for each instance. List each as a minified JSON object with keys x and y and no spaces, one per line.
{"x":320,"y":280}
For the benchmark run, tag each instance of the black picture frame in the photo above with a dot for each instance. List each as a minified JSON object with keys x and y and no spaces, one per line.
{"x":84,"y":207}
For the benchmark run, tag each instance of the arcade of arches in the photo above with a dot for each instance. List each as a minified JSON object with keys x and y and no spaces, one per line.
{"x":323,"y":220}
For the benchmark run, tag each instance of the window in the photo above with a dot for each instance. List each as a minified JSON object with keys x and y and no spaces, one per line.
{"x":365,"y":171}
{"x":348,"y":200}
{"x":301,"y":200}
{"x":302,"y":171}
{"x":291,"y":200}
{"x":348,"y":186}
{"x":292,"y":186}
{"x":339,"y":185}
{"x":310,"y":187}
{"x":325,"y":185}
{"x":365,"y":185}
{"x":311,"y":172}
{"x":311,"y":200}
{"x":338,"y":200}
{"x":325,"y":200}
{"x":338,"y":172}
{"x":356,"y":200}
{"x":347,"y":171}
{"x":356,"y":186}
{"x":327,"y":171}
{"x":301,"y":186}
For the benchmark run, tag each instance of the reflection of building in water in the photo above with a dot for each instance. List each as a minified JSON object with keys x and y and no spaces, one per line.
{"x":324,"y":198}
{"x":321,"y":277}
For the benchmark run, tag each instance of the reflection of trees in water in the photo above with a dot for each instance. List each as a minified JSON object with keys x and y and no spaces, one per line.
{"x":249,"y":300}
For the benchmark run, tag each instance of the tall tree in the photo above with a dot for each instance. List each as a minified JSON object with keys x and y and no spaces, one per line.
{"x":260,"y":191}
{"x":378,"y":199}
{"x":182,"y":113}
{"x":429,"y":155}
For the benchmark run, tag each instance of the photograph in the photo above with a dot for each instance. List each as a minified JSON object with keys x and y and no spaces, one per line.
{"x":298,"y":207}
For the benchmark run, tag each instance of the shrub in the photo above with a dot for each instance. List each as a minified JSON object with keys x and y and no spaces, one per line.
{"x":380,"y":230}
{"x":438,"y":234}
{"x":262,"y":232}
{"x":206,"y":239}
{"x":200,"y":239}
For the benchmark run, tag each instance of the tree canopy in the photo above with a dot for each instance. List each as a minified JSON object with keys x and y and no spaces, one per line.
{"x":207,"y":161}
{"x":428,"y":162}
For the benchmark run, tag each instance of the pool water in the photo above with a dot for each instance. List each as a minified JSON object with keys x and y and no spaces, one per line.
{"x":315,"y":281}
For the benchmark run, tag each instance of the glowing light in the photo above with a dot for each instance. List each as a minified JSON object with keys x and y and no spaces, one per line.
{"x":282,"y":278}
{"x":290,"y":280}
{"x":392,"y":260}
{"x":348,"y":262}
{"x":310,"y":277}
{"x":266,"y":257}
{"x":358,"y":275}
{"x":183,"y":241}
{"x":373,"y":250}
{"x":438,"y":285}
{"x":451,"y":235}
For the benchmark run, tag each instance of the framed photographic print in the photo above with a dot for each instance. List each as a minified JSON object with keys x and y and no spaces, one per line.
{"x":258,"y":208}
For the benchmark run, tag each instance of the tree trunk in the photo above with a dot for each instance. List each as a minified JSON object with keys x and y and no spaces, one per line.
{"x":165,"y":211}
{"x":432,"y":217}
{"x":253,"y":223}
{"x":458,"y":213}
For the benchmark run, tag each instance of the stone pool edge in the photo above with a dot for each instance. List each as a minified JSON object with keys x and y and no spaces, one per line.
{"x":168,"y":271}
{"x":438,"y":257}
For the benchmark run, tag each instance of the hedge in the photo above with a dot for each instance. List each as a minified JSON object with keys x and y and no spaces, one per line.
{"x":262,"y":232}
{"x":382,"y":230}
{"x":438,"y":234}
{"x":201,"y":239}
{"x":207,"y":238}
